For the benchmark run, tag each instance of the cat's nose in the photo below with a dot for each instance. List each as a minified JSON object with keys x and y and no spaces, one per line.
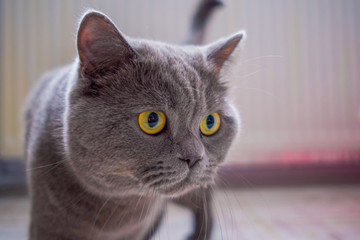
{"x":191,"y":161}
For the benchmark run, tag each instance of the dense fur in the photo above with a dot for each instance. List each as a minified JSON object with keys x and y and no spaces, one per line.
{"x":94,"y":173}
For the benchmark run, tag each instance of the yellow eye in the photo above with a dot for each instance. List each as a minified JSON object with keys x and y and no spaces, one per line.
{"x":152,"y":122}
{"x":210,"y":124}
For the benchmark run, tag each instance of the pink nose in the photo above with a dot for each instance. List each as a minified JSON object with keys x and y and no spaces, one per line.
{"x":191,"y":161}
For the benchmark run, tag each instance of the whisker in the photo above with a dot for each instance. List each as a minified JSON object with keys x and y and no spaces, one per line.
{"x":202,"y":222}
{"x":217,"y":215}
{"x":249,"y":74}
{"x":142,"y":209}
{"x":44,"y":166}
{"x":97,"y":215}
{"x":260,"y":57}
{"x":205,"y":213}
{"x":107,"y":220}
{"x":52,"y":168}
{"x":126,"y":212}
{"x":164,"y":222}
{"x":230,"y":207}
{"x":152,"y":216}
{"x":129,"y":208}
{"x":223,"y":214}
{"x":241,"y":205}
{"x":75,"y":200}
{"x":134,"y":210}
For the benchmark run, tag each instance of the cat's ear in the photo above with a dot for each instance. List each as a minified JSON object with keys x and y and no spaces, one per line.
{"x":100,"y":44}
{"x":219,"y":52}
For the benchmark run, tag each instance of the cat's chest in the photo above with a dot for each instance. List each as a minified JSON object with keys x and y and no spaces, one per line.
{"x":128,"y":218}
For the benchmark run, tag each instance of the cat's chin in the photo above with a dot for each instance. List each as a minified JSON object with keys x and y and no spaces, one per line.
{"x":180,"y":188}
{"x":173,"y":193}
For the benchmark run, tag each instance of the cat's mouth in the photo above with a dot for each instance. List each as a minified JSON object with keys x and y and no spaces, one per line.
{"x":171,"y":182}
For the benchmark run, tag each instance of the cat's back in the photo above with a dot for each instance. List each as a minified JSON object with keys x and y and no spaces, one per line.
{"x":45,"y":107}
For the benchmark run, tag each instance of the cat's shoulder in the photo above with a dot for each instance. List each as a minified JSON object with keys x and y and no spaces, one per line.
{"x":49,"y":82}
{"x":49,"y":91}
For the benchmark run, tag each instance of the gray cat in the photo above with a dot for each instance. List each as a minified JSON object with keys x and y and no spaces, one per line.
{"x":129,"y":125}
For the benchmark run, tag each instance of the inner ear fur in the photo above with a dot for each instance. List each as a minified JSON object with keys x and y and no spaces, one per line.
{"x":219,"y":52}
{"x":100,"y":43}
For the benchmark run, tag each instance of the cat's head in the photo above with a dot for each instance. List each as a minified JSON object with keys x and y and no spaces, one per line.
{"x":144,"y":116}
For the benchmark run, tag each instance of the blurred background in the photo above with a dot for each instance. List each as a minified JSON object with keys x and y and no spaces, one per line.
{"x":296,"y":83}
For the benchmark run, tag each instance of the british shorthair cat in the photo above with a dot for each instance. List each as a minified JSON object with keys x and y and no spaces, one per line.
{"x":126,"y":127}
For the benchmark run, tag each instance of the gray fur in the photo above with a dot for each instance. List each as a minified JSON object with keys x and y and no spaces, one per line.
{"x":93,"y":174}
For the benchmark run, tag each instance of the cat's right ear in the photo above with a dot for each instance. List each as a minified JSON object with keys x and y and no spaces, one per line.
{"x":219,"y":52}
{"x":100,"y":44}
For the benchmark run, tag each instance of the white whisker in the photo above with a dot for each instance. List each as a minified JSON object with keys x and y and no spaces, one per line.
{"x":260,"y":57}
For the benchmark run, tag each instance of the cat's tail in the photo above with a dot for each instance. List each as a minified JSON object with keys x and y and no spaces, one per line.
{"x":200,"y":20}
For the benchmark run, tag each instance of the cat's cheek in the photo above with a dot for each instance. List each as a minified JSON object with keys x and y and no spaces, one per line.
{"x":218,"y":145}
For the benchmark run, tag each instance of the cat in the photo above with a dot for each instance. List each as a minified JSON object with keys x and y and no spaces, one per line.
{"x":128,"y":126}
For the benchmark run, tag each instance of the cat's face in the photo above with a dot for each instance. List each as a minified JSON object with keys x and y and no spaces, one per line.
{"x":121,"y":79}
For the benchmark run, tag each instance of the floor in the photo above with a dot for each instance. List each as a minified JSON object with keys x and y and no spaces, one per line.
{"x":301,"y":213}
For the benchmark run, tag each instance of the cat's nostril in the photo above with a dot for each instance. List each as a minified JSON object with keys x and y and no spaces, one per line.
{"x":191,"y":161}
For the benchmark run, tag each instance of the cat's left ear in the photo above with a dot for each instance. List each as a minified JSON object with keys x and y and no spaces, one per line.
{"x":219,"y":52}
{"x":100,"y":44}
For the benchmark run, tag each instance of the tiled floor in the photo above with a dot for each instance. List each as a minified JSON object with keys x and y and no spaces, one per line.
{"x":301,"y":213}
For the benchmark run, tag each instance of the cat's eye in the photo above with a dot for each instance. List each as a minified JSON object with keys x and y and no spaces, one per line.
{"x":210,"y":124}
{"x":152,"y":122}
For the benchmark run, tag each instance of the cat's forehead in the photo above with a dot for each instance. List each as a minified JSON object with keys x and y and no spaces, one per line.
{"x":177,"y":77}
{"x":174,"y":56}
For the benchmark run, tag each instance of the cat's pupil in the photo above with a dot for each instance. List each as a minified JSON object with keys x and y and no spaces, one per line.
{"x":210,"y":121}
{"x":153,"y":119}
